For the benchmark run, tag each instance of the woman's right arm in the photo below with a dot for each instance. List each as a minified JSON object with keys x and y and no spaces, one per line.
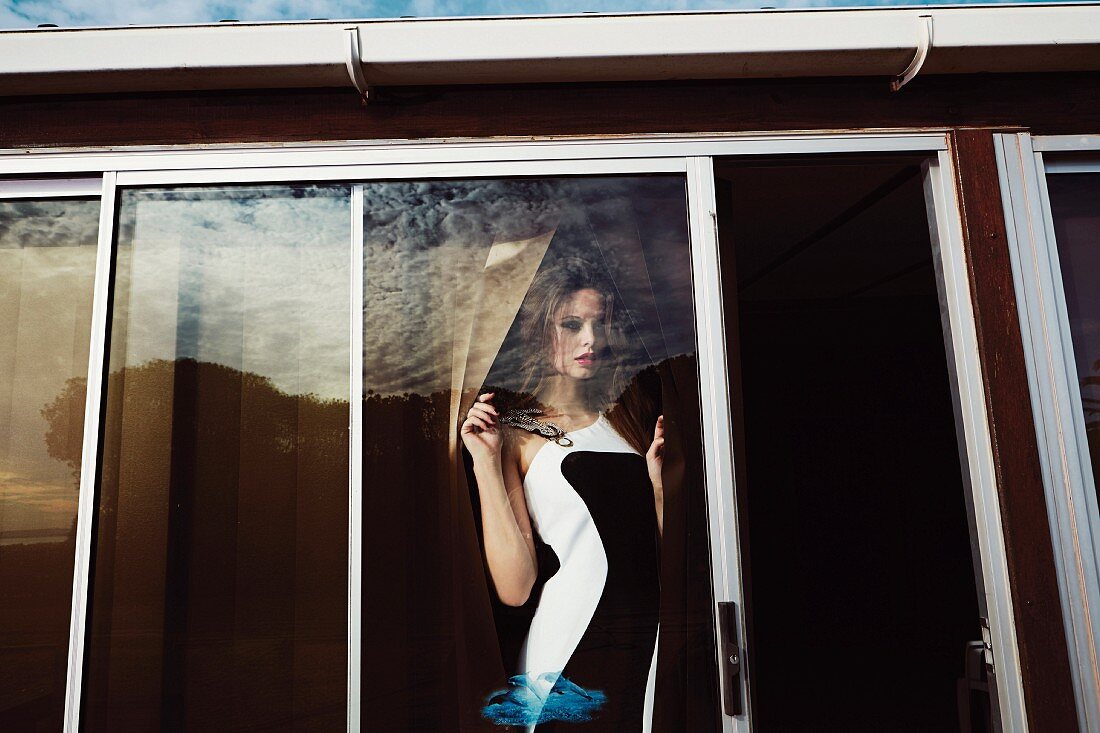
{"x":506,"y":525}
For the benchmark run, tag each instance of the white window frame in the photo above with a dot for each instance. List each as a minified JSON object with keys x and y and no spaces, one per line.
{"x":1024,"y":162}
{"x":690,"y":155}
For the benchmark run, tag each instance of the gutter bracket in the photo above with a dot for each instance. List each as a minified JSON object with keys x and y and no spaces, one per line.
{"x":354,"y":62}
{"x":924,"y":45}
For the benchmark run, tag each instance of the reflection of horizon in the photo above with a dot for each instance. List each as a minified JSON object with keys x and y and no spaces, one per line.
{"x":26,"y":499}
{"x":33,"y":536}
{"x":47,"y":264}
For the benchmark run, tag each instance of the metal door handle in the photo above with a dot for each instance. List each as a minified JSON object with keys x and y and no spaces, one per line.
{"x":730,"y":658}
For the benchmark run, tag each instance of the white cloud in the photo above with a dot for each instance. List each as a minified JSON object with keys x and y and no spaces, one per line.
{"x":68,"y":13}
{"x":252,"y":279}
{"x":65,"y":13}
{"x":426,"y":241}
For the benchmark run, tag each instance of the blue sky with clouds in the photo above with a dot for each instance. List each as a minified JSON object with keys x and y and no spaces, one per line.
{"x":29,"y":13}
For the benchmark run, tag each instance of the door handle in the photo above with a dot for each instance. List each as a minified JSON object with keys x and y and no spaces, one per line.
{"x":730,"y":657}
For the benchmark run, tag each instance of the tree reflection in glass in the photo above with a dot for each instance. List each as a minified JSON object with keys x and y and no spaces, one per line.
{"x":47,"y":265}
{"x":219,"y":596}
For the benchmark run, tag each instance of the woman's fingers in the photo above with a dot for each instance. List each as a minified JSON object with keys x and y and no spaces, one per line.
{"x":656,"y":448}
{"x":481,"y":413}
{"x":483,"y":407}
{"x":478,"y":421}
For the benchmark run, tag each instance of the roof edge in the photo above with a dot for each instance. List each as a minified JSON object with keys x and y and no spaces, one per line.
{"x":586,"y":48}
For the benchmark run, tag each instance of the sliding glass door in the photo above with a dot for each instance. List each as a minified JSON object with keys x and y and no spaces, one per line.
{"x":865,"y":590}
{"x":290,"y":537}
{"x":219,"y":588}
{"x":449,"y":444}
{"x":569,"y":301}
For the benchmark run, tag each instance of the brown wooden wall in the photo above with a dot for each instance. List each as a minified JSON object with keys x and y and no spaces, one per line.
{"x":975,"y":106}
{"x":1063,"y":103}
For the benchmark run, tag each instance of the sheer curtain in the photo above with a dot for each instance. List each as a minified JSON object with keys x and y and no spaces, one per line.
{"x":447,"y":266}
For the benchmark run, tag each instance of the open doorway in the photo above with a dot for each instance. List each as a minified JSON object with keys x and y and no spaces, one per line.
{"x":860,"y":585}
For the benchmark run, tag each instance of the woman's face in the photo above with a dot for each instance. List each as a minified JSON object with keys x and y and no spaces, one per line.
{"x":580,"y":340}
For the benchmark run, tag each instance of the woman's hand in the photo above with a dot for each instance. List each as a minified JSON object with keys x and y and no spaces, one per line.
{"x":480,"y":433}
{"x":655,"y":461}
{"x":655,"y":456}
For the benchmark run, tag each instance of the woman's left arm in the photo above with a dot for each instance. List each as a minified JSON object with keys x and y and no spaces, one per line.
{"x":655,"y":460}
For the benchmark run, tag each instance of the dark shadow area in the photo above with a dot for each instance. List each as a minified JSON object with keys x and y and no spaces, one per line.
{"x":219,"y":599}
{"x":861,"y":585}
{"x":1075,"y":208}
{"x":36,"y":579}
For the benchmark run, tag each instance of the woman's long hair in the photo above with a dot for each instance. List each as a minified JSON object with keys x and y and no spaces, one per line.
{"x":614,"y":389}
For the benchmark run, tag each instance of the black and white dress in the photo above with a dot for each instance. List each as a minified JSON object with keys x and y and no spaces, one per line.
{"x":594,"y":631}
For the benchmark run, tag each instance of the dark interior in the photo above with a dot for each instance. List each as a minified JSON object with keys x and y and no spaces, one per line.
{"x":860,"y":580}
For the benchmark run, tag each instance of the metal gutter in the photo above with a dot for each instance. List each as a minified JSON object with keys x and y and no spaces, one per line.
{"x":585,"y":48}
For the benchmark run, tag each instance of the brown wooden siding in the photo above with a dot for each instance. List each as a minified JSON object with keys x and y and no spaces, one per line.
{"x":1045,"y":103}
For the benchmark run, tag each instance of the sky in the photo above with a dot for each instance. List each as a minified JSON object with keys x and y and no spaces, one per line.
{"x":69,"y":13}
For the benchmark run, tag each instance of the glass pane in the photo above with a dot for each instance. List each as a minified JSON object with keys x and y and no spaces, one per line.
{"x":1075,"y":207}
{"x":508,"y":579}
{"x":47,"y":267}
{"x":220,"y":592}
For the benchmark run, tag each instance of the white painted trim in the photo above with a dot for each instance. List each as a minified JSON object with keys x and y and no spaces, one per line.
{"x":577,"y":48}
{"x":51,"y":188}
{"x":421,"y":171}
{"x":894,"y":139}
{"x":1065,"y":143}
{"x":89,"y":459}
{"x":355,"y":467}
{"x":1059,"y":164}
{"x":144,"y":166}
{"x":718,"y":454}
{"x":1056,"y":403}
{"x":969,"y":400}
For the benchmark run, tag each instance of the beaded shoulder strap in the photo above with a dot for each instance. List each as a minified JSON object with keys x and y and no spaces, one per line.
{"x":524,"y":419}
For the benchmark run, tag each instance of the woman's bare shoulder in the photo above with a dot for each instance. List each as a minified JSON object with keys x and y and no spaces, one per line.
{"x":520,"y":448}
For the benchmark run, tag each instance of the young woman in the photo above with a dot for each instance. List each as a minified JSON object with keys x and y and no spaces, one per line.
{"x":574,"y":462}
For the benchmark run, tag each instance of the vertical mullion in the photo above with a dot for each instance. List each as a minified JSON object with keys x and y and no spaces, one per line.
{"x":355,"y":473}
{"x":89,"y":461}
{"x":714,"y":382}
